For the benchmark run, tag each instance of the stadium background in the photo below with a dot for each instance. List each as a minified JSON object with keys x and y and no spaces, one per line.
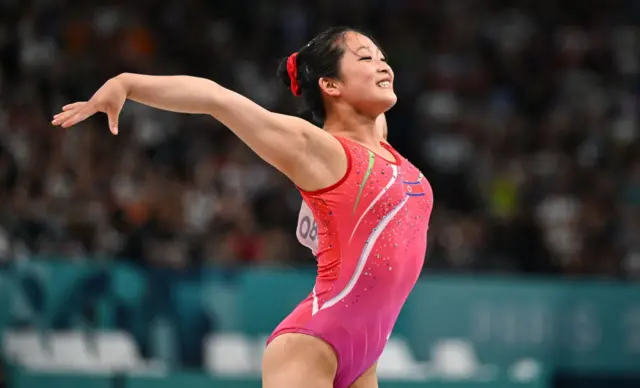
{"x":172,"y":242}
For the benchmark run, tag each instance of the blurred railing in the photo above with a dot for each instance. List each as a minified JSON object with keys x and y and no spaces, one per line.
{"x":567,"y":325}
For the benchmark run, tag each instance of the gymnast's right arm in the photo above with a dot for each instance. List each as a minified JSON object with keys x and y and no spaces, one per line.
{"x":309,"y":156}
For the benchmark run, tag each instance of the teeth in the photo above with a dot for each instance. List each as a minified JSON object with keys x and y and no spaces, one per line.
{"x":384,"y":84}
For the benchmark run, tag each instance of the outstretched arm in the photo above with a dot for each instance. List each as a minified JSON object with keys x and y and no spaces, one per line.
{"x":309,"y":156}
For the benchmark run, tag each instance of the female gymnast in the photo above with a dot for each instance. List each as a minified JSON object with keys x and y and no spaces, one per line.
{"x":370,"y":204}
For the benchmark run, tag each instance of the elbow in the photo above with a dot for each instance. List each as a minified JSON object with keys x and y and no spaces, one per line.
{"x":217,"y":97}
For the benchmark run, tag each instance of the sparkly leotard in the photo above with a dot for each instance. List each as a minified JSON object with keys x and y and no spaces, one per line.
{"x":370,"y":242}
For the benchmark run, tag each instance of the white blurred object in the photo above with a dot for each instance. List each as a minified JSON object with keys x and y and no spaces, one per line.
{"x":117,"y":351}
{"x":526,"y":369}
{"x":200,"y":208}
{"x":75,"y":351}
{"x":261,"y":344}
{"x":71,"y":353}
{"x":397,"y":362}
{"x":26,"y":348}
{"x":454,"y":359}
{"x":442,"y":106}
{"x":229,"y":354}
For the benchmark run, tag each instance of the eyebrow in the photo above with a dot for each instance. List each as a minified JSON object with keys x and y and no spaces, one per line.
{"x":367,"y":48}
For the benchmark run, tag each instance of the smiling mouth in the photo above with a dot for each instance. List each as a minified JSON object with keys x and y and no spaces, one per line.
{"x":384,"y":84}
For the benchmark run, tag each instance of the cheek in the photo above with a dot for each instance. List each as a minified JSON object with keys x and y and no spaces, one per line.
{"x":358,"y":81}
{"x":363,"y":81}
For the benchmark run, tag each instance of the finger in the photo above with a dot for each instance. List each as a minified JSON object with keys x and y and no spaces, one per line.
{"x":62,"y":117}
{"x":73,"y":106}
{"x":81,"y":115}
{"x":113,"y":115}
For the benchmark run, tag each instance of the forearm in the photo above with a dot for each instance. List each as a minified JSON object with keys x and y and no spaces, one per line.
{"x":181,"y":94}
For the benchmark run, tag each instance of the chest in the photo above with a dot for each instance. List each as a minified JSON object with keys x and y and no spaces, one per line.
{"x":384,"y":185}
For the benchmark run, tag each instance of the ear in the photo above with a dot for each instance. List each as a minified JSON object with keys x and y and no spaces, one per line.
{"x":329,"y":87}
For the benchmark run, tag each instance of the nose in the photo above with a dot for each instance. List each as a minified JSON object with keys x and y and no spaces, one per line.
{"x":384,"y":68}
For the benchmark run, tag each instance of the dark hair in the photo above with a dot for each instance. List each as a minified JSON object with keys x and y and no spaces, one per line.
{"x":319,"y":58}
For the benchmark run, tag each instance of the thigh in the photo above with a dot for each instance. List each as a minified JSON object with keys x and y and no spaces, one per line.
{"x":368,"y":379}
{"x":295,"y":360}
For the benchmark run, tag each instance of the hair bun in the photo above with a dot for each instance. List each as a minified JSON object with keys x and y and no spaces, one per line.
{"x":289,"y":69}
{"x":283,"y":75}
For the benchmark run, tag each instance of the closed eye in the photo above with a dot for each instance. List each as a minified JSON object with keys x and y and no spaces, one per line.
{"x":370,"y":58}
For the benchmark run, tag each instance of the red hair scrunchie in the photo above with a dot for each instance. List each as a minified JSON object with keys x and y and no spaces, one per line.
{"x":292,"y":70}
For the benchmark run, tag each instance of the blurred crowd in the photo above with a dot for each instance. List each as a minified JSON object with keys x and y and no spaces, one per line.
{"x":523,"y":114}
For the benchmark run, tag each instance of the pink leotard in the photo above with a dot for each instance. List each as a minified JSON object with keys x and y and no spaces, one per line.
{"x":370,"y":242}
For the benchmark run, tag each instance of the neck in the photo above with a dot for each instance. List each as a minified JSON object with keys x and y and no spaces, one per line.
{"x":354,"y":126}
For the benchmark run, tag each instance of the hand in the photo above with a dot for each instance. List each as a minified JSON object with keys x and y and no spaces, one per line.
{"x":108,"y":99}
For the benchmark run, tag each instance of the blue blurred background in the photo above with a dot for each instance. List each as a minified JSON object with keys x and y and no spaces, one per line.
{"x":166,"y":255}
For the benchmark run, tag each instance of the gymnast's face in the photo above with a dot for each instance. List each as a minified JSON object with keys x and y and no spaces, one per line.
{"x":366,"y":80}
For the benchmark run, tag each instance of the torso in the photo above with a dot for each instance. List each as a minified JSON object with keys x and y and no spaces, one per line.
{"x":369,"y":235}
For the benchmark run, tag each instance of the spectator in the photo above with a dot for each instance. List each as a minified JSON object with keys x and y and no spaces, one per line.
{"x":524,"y":117}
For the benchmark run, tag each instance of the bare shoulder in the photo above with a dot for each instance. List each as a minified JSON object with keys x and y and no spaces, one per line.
{"x":323,"y":160}
{"x":308,"y":155}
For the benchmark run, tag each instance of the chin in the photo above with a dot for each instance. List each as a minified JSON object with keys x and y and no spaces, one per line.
{"x":377,"y":103}
{"x":392,"y":99}
{"x":388,"y":101}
